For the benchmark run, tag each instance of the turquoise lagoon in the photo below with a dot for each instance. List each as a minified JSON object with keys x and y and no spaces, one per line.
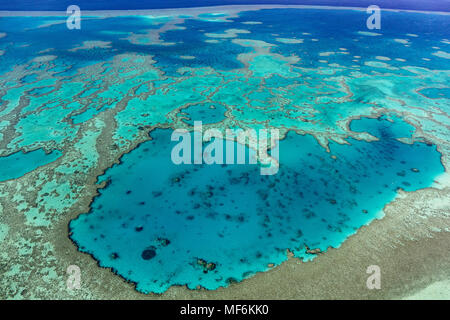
{"x":17,"y":164}
{"x":156,"y":222}
{"x":347,"y":100}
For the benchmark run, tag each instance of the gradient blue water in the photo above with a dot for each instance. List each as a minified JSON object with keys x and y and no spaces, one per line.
{"x":338,"y":30}
{"x":154,"y":220}
{"x":61,"y":5}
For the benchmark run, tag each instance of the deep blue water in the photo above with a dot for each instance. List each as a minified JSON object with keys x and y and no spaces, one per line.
{"x":337,"y":30}
{"x":156,"y":222}
{"x":61,"y":5}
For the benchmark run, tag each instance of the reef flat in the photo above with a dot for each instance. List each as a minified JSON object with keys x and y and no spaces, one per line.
{"x":364,"y":115}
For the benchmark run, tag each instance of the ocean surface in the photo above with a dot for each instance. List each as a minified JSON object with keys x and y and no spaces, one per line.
{"x":362,"y":113}
{"x":61,"y":5}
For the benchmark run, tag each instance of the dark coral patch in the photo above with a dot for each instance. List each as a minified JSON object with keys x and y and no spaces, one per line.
{"x":148,"y":254}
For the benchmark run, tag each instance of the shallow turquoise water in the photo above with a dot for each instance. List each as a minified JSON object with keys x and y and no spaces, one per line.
{"x":17,"y":164}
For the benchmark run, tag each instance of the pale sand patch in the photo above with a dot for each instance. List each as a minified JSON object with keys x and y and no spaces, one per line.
{"x":212,"y":41}
{"x":253,"y":43}
{"x":46,"y":50}
{"x":402,"y":41}
{"x":441,"y":54}
{"x":229,"y":33}
{"x":334,"y":65}
{"x":251,"y":22}
{"x":412,"y":35}
{"x":442,"y":181}
{"x":439,"y":290}
{"x":2,"y":34}
{"x":382,"y":58}
{"x":378,"y":64}
{"x":53,"y":23}
{"x":400,"y":59}
{"x":45,"y":58}
{"x":2,"y":52}
{"x":289,"y":40}
{"x":187,"y":57}
{"x":327,"y":53}
{"x":370,"y":34}
{"x":153,"y":36}
{"x":87,"y":45}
